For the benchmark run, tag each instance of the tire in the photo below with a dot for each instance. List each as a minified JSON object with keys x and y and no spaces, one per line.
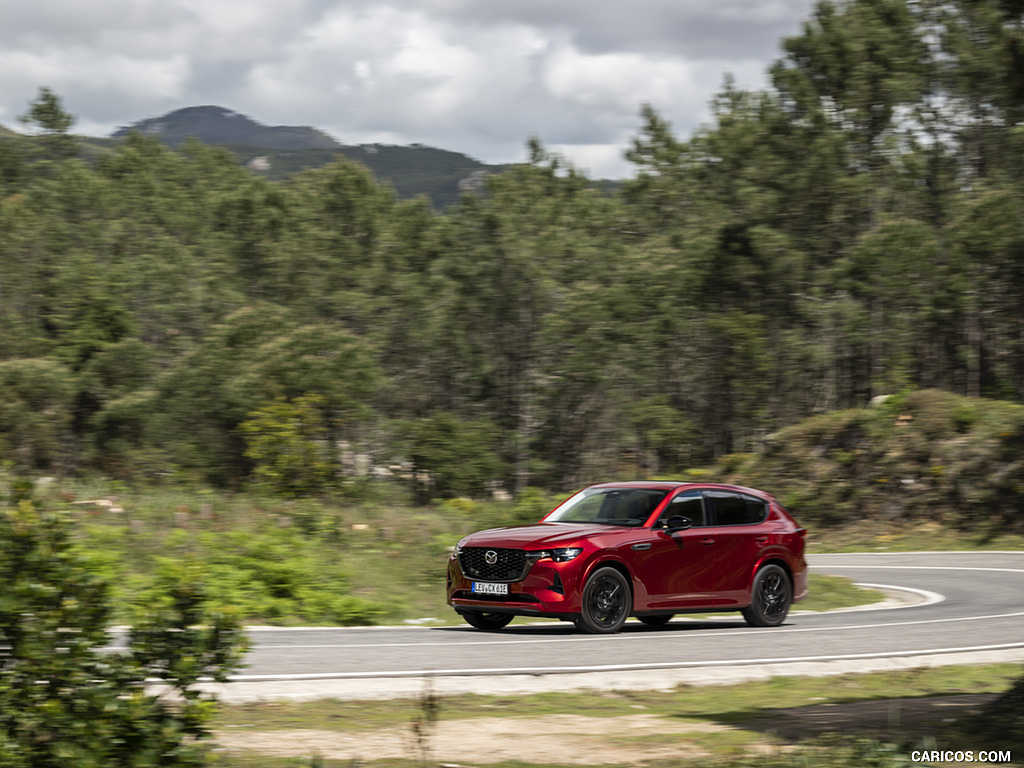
{"x":489,"y":621}
{"x":606,"y":603}
{"x":770,"y":597}
{"x":658,"y":620}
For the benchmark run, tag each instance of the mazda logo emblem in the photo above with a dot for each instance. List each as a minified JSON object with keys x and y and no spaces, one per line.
{"x":491,"y":557}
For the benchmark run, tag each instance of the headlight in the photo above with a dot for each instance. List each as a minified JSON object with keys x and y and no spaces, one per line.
{"x":561,"y":555}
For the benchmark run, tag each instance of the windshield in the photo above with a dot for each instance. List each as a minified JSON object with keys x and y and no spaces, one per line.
{"x":610,"y":506}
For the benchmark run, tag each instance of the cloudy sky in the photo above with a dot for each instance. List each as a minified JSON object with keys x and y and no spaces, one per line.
{"x":475,"y":76}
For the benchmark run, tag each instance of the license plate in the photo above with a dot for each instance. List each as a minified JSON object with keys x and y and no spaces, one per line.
{"x":489,"y":588}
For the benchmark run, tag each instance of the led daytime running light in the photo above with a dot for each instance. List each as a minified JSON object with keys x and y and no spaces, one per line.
{"x":561,"y":555}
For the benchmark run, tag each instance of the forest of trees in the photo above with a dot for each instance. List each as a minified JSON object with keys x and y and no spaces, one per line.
{"x":856,"y":229}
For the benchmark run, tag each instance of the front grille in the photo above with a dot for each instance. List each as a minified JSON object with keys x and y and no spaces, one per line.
{"x":510,"y":564}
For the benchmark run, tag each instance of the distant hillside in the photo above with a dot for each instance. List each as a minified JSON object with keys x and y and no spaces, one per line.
{"x":279,"y":152}
{"x":216,"y":125}
{"x":416,"y":170}
{"x":926,"y":456}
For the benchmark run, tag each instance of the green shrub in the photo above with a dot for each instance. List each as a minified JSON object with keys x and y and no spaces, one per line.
{"x":66,"y":700}
{"x":451,"y":456}
{"x":272,"y":575}
{"x":285,"y":439}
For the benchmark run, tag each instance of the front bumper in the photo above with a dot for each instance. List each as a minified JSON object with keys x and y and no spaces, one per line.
{"x":548,"y":589}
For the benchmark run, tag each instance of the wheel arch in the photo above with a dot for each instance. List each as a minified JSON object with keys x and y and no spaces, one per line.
{"x":619,"y":566}
{"x":772,"y":560}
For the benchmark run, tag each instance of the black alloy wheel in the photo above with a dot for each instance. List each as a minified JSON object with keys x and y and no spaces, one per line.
{"x":658,"y":620}
{"x":606,"y":602}
{"x":770,"y":597}
{"x":489,"y":621}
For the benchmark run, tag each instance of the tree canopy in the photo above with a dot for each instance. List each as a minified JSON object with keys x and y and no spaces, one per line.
{"x":855,"y":229}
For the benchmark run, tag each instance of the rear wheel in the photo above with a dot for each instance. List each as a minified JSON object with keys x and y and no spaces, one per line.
{"x":606,"y":602}
{"x":658,"y":620}
{"x":770,"y":597}
{"x":490,"y":621}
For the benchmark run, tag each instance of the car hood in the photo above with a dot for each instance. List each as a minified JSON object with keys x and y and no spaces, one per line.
{"x":538,"y":536}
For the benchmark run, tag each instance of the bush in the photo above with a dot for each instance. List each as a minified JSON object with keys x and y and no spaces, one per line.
{"x":271,"y":575}
{"x":451,"y":457}
{"x":286,"y":440}
{"x":66,"y":700}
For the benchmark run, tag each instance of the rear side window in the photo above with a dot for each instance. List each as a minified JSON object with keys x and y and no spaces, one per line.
{"x":735,"y":509}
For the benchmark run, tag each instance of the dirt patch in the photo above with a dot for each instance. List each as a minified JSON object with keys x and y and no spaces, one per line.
{"x":894,"y":718}
{"x":582,"y":740}
{"x":574,"y":739}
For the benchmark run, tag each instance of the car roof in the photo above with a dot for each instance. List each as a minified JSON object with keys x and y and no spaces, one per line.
{"x":671,"y":485}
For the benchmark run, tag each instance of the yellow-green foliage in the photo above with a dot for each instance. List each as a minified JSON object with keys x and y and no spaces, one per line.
{"x":286,"y":441}
{"x":264,"y":572}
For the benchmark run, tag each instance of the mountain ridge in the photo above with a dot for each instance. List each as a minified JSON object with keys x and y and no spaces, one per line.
{"x":219,"y":125}
{"x":277,"y":152}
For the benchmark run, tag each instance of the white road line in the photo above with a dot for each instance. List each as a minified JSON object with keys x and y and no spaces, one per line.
{"x":923,"y":568}
{"x":929,"y":598}
{"x":617,"y":667}
{"x":624,"y":637}
{"x":820,"y":555}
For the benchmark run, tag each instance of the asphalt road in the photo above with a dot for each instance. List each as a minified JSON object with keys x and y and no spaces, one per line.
{"x":960,"y":603}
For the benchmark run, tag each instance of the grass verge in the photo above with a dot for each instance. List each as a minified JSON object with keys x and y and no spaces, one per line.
{"x":887,"y":715}
{"x":932,"y":536}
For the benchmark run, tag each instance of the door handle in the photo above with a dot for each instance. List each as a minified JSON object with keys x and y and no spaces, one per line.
{"x":708,"y":540}
{"x":762,"y":539}
{"x":639,"y":547}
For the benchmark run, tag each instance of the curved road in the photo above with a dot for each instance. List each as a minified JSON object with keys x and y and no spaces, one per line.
{"x":970,"y":604}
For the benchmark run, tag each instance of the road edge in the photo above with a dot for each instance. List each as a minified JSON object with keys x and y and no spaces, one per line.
{"x":354,"y":689}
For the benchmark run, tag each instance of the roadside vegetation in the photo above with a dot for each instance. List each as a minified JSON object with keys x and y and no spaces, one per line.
{"x":915,"y":461}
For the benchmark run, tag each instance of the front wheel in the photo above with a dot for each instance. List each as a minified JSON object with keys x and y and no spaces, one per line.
{"x":770,"y":597}
{"x":489,"y":621}
{"x":606,"y":602}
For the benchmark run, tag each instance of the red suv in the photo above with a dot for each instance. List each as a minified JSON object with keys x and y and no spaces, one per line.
{"x":644,"y":549}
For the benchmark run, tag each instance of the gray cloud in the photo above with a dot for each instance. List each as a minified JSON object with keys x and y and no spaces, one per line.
{"x":477,"y":77}
{"x":691,"y":28}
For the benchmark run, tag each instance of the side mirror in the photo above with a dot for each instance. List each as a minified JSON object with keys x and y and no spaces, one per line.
{"x":678,"y":523}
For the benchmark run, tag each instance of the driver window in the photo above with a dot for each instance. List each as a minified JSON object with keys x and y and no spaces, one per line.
{"x":689,"y":505}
